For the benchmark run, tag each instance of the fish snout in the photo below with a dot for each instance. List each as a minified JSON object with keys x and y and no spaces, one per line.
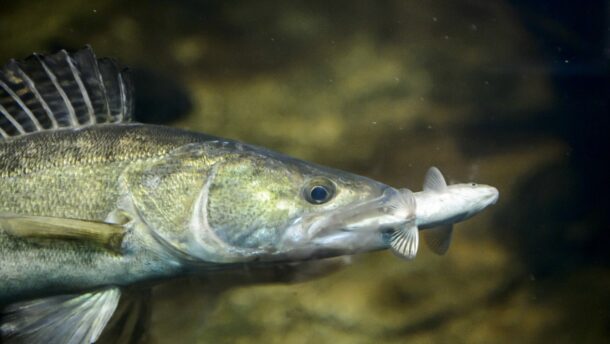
{"x":494,"y":194}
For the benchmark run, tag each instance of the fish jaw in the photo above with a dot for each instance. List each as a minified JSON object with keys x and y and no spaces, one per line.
{"x":357,"y":228}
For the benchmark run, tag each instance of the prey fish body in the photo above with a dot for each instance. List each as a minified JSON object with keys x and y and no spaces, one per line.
{"x":91,"y":204}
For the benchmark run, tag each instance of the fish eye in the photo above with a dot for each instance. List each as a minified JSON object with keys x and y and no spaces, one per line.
{"x":318,"y":191}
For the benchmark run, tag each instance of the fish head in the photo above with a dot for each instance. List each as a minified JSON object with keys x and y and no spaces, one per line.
{"x":268,"y":207}
{"x":227,"y":202}
{"x":441,"y":204}
{"x":472,"y":198}
{"x":455,"y":203}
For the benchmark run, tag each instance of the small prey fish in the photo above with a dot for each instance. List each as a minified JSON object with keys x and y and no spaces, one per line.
{"x":93,"y":204}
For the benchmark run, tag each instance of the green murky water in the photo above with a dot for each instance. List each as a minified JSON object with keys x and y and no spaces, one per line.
{"x":506,"y":93}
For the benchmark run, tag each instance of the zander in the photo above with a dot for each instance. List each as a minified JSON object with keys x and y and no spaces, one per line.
{"x":92,"y":204}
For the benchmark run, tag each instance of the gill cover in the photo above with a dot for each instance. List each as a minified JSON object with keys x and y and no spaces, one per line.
{"x":170,"y":196}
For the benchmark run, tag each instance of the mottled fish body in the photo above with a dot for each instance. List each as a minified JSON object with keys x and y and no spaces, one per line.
{"x":75,"y":174}
{"x":91,"y":204}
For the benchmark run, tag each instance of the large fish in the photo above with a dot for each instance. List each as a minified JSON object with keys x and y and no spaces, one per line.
{"x":91,"y":203}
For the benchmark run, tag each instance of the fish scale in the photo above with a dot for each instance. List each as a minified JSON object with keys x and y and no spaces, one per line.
{"x":80,"y":181}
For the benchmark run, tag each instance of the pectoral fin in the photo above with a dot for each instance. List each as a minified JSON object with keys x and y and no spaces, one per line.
{"x":405,"y":241}
{"x":70,"y":319}
{"x":130,"y":322}
{"x":439,"y":238}
{"x":43,"y":227}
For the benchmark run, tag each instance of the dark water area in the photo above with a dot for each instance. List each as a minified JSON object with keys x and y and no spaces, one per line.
{"x":508,"y":93}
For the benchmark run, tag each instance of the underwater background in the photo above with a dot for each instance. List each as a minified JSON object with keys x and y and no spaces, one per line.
{"x":508,"y":93}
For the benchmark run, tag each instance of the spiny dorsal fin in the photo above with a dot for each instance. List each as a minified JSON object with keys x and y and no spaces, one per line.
{"x":62,"y":91}
{"x":70,"y":319}
{"x":434,"y":180}
{"x":104,"y":234}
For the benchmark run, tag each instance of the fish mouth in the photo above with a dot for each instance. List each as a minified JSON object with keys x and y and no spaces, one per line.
{"x":356,"y":228}
{"x":495,"y":194}
{"x":491,"y":195}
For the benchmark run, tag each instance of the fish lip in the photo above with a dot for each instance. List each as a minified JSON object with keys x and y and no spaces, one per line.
{"x":334,"y":229}
{"x":495,"y":195}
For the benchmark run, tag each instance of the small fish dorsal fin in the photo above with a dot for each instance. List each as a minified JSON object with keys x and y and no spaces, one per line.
{"x":62,"y":90}
{"x":434,"y":180}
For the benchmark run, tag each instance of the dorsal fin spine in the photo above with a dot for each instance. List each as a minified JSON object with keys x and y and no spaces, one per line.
{"x":81,"y":87}
{"x":17,"y":100}
{"x":123,"y":98}
{"x":12,"y":119}
{"x":62,"y":93}
{"x":108,"y":114}
{"x":62,"y":90}
{"x":100,"y":78}
{"x":31,"y":85}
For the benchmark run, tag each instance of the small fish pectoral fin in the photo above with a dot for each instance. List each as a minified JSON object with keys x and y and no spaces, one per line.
{"x":404,"y":201}
{"x":405,"y":241}
{"x":434,"y":180}
{"x":44,"y":227}
{"x":438,"y":239}
{"x":70,"y":319}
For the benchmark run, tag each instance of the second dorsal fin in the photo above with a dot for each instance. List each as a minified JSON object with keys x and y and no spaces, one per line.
{"x":62,"y":90}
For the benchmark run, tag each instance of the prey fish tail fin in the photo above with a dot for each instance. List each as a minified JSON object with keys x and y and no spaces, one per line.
{"x":69,"y":319}
{"x":62,"y":90}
